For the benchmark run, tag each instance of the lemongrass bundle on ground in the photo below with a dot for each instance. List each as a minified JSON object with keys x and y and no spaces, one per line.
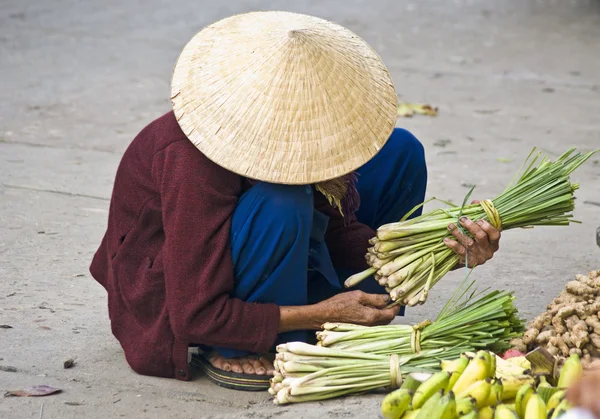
{"x":481,"y":322}
{"x":409,"y":257}
{"x":306,"y":372}
{"x":355,"y":359}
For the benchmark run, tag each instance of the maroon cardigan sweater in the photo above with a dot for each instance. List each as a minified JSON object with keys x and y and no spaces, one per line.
{"x":165,"y":259}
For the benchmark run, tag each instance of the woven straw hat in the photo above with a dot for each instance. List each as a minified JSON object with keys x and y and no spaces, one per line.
{"x":283,"y":97}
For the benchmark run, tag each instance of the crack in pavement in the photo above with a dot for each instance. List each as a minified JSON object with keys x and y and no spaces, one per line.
{"x":69,"y":194}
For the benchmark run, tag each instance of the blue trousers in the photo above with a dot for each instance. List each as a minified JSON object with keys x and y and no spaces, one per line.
{"x":277,"y":238}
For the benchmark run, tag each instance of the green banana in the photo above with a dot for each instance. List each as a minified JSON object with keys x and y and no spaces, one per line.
{"x":430,"y":406}
{"x":536,"y":408}
{"x":496,"y":393}
{"x":503,"y":412}
{"x":555,"y":400}
{"x":456,"y":368}
{"x":479,"y":390}
{"x":544,"y":382}
{"x":446,"y":408}
{"x":570,"y":372}
{"x":476,"y":370}
{"x":492,"y":372}
{"x":465,"y":405}
{"x":395,"y":404}
{"x":522,"y":398}
{"x":473,"y":415}
{"x":434,"y":384}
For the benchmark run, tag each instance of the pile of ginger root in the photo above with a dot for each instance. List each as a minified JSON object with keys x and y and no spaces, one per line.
{"x":571,"y":323}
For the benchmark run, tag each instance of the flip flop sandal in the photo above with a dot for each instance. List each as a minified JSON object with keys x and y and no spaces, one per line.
{"x":229,"y":379}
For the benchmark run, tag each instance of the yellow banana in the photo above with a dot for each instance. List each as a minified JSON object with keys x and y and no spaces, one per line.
{"x":496,"y":393}
{"x":570,"y":372}
{"x":434,"y":384}
{"x":511,"y":385}
{"x":479,"y":390}
{"x":395,"y":404}
{"x":411,"y":414}
{"x":536,"y":408}
{"x":555,"y":400}
{"x":503,"y":412}
{"x":561,"y":409}
{"x":465,"y":406}
{"x":456,"y":368}
{"x":486,"y":413}
{"x":523,"y":396}
{"x":488,"y":360}
{"x":430,"y":406}
{"x":476,"y":370}
{"x":505,"y":369}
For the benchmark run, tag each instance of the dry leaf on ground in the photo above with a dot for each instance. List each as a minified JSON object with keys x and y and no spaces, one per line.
{"x":35,"y":391}
{"x":407,"y":110}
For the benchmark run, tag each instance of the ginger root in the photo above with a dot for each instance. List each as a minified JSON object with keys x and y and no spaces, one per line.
{"x":517,"y":344}
{"x":578,"y":331}
{"x":560,"y":344}
{"x":540,"y":321}
{"x":530,"y":335}
{"x":595,"y":339}
{"x":545,"y":336}
{"x":580,"y":288}
{"x":593,"y":323}
{"x":575,"y":351}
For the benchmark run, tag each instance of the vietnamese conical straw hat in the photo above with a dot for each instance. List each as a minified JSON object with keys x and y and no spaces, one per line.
{"x":283,"y":97}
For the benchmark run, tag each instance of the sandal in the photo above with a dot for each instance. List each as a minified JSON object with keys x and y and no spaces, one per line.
{"x":229,"y":379}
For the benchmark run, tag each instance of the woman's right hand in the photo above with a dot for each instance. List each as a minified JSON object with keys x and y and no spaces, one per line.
{"x":358,"y":307}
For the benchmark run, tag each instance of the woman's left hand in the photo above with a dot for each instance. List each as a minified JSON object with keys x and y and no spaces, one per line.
{"x":480,"y":248}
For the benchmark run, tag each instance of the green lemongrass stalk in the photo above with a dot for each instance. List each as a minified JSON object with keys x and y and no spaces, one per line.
{"x":488,"y":321}
{"x":409,"y":257}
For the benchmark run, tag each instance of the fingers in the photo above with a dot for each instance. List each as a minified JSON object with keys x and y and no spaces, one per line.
{"x":458,"y":248}
{"x":373,"y":300}
{"x":461,"y":237}
{"x":475,"y":229}
{"x":492,"y":233}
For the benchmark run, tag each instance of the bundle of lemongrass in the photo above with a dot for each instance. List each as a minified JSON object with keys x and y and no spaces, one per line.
{"x":409,"y":257}
{"x":487,"y":322}
{"x":306,"y":372}
{"x":356,"y":359}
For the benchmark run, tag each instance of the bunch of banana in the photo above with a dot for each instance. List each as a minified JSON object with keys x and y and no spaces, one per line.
{"x":463,"y":386}
{"x":482,"y":385}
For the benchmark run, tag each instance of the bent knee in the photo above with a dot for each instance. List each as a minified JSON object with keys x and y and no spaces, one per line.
{"x":287,"y":202}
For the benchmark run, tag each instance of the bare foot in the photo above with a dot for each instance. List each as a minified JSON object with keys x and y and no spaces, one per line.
{"x":250,"y":364}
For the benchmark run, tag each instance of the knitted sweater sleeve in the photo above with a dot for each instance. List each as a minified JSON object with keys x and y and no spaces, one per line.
{"x":198,"y":199}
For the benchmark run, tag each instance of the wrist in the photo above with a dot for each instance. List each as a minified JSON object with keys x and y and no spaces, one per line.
{"x":309,"y":317}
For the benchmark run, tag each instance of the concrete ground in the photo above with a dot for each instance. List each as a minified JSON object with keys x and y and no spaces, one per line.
{"x":78,"y":80}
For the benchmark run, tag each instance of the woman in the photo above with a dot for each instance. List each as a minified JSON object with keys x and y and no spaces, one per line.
{"x":235,"y":218}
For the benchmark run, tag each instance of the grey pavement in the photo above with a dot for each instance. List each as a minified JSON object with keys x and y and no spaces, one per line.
{"x":79,"y":79}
